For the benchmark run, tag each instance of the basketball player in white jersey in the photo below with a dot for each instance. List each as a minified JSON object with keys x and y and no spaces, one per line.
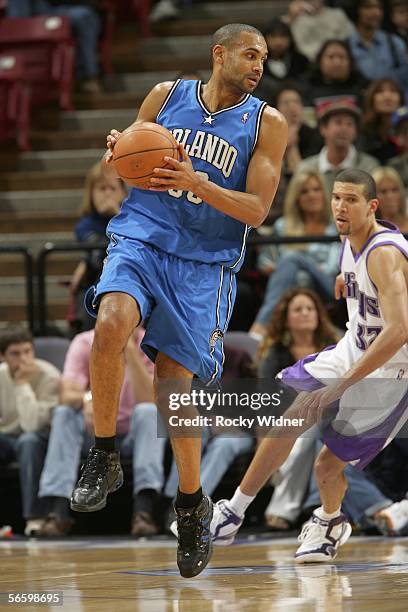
{"x":364,"y":377}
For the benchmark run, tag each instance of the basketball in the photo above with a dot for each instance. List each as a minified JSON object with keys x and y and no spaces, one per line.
{"x":140,"y":149}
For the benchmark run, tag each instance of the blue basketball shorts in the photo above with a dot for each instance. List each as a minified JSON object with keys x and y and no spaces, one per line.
{"x":185,"y":305}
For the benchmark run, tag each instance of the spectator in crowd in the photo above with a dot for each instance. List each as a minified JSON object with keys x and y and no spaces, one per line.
{"x":334,"y":75}
{"x":284,"y":60}
{"x":377,"y":53}
{"x":298,"y":327}
{"x":338,"y":122}
{"x":86,"y":25}
{"x":72,"y":436}
{"x":303,"y":141}
{"x":28,"y":394}
{"x":391,"y":196}
{"x":399,"y":19}
{"x":101,"y":201}
{"x":382,"y":99}
{"x":306,"y":212}
{"x":400,"y":125}
{"x":313,"y":23}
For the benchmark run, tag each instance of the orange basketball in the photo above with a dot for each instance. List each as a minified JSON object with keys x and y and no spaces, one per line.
{"x":140,"y":149}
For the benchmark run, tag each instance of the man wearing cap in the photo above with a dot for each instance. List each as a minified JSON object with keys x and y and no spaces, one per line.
{"x":338,"y":124}
{"x":400,"y":124}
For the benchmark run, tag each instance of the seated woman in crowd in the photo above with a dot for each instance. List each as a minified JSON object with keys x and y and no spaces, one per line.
{"x":303,"y":140}
{"x":284,"y":60}
{"x":391,"y":195}
{"x":334,"y":74}
{"x":382,"y":99}
{"x":101,"y":201}
{"x":306,"y":213}
{"x":299,"y":327}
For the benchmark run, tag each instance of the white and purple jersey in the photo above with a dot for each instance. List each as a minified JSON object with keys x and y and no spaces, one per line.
{"x":365,"y":318}
{"x":371,"y":412}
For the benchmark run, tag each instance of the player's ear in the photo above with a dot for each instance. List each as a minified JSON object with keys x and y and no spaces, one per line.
{"x":218,"y":53}
{"x":374,"y":204}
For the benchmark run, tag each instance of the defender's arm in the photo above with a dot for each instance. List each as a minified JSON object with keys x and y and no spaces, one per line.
{"x":386,"y":269}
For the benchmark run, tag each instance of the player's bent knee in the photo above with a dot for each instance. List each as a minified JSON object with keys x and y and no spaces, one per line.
{"x":117,"y":318}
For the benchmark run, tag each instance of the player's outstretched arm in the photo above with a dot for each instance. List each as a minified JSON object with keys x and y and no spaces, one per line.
{"x":252,"y":206}
{"x":386,"y":266}
{"x":148,"y":112}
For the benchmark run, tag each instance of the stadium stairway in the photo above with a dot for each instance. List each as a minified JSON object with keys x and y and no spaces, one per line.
{"x":41,"y":190}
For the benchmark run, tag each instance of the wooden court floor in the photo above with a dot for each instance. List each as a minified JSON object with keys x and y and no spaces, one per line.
{"x":120,"y":575}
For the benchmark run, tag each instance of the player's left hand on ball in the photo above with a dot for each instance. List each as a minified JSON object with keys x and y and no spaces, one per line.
{"x":180,"y":174}
{"x":111,"y":140}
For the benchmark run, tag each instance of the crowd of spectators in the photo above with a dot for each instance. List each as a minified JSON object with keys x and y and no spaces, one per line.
{"x":338,"y":71}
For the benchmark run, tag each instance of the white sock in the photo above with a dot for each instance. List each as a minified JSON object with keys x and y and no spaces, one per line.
{"x":325,"y":516}
{"x":240,"y":502}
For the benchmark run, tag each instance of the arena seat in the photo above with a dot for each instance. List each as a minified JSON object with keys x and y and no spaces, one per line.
{"x":47,"y":49}
{"x":52,"y":349}
{"x":142,"y":10}
{"x":14,"y":100}
{"x":242,"y":340}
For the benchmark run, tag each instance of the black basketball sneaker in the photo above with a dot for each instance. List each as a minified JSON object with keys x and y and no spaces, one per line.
{"x":100,"y":474}
{"x":194,"y":537}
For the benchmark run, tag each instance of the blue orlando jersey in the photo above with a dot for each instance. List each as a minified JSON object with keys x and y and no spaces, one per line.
{"x":220,"y":146}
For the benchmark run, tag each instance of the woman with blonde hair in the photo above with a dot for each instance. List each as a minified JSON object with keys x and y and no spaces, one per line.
{"x":306,"y":213}
{"x":101,"y":201}
{"x":392,"y":197}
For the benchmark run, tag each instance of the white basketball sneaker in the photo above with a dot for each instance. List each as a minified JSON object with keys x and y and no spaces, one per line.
{"x":393,"y":521}
{"x":320,"y":539}
{"x":224,"y":525}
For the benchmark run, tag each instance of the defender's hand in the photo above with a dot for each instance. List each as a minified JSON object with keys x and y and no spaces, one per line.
{"x":180,"y":176}
{"x":111,"y":140}
{"x":339,"y":287}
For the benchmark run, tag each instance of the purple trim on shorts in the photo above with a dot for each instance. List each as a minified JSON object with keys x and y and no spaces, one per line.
{"x":398,"y":246}
{"x":363,"y":447}
{"x":298,"y":378}
{"x":391,"y":228}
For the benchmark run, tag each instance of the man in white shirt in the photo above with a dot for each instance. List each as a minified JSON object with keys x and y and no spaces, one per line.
{"x":312,"y":23}
{"x":338,"y":123}
{"x":28,"y":393}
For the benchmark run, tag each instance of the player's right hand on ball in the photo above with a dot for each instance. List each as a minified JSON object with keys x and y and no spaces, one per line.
{"x":111,"y":140}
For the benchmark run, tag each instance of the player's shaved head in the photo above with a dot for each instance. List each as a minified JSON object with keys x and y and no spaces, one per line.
{"x":229,"y":34}
{"x":358,"y":177}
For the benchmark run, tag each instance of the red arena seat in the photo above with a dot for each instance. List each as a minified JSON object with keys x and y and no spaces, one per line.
{"x":46,"y":45}
{"x":14,"y":100}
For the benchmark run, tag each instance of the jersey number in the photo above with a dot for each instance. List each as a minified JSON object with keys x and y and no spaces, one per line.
{"x":366,"y":336}
{"x":193,"y":199}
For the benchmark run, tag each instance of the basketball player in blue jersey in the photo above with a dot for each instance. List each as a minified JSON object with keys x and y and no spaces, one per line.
{"x":173,"y":255}
{"x":368,"y":369}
